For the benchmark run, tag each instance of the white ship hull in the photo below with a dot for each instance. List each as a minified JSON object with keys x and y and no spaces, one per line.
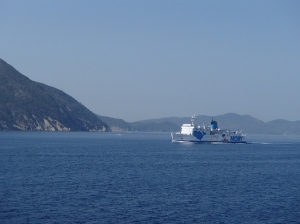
{"x":192,"y":133}
{"x":228,"y":138}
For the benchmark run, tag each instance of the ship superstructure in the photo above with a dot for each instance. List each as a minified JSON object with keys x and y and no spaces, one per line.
{"x":210,"y":134}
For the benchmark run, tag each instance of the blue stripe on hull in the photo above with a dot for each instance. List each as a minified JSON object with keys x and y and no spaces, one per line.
{"x":195,"y":141}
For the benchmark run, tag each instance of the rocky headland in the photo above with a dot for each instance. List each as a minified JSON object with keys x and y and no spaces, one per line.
{"x":31,"y":106}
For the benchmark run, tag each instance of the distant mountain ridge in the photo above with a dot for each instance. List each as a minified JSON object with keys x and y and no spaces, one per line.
{"x":121,"y":125}
{"x":29,"y":105}
{"x":232,"y":121}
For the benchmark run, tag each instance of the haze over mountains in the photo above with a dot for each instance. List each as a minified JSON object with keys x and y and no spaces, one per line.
{"x":28,"y":105}
{"x":232,"y":121}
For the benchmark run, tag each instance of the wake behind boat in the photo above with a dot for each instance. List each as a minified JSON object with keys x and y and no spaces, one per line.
{"x":212,"y":134}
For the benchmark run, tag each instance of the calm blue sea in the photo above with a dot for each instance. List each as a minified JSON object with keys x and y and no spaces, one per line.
{"x":145,"y":178}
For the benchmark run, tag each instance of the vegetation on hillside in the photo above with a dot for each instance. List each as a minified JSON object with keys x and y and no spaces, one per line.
{"x":29,"y":105}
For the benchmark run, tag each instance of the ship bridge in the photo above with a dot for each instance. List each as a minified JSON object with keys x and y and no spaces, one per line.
{"x":187,"y":129}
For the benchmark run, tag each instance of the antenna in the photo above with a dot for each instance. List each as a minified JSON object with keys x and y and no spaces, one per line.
{"x":193,"y":119}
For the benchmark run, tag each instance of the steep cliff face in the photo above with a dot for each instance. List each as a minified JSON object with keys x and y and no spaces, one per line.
{"x":28,"y":105}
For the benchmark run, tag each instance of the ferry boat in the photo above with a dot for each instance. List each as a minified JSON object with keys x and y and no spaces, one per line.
{"x":207,"y":134}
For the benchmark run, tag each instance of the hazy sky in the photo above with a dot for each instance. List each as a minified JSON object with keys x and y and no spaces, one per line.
{"x":149,"y":59}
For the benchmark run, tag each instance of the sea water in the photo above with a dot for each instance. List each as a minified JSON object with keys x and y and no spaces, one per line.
{"x":145,"y":178}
